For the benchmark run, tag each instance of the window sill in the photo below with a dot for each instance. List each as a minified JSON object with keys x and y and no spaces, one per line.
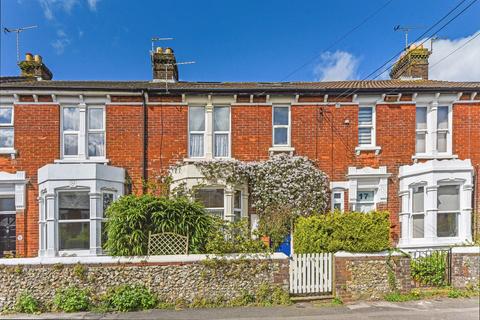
{"x":193,"y":160}
{"x":281,"y":149}
{"x":434,"y":156}
{"x":9,"y":151}
{"x":359,"y":149}
{"x":104,"y":161}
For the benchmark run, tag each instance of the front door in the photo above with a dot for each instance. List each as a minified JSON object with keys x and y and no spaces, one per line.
{"x":7,"y":227}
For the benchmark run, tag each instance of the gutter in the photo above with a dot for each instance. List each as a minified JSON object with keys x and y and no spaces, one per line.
{"x":145,"y":141}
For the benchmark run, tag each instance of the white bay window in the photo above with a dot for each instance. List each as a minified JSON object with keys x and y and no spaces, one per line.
{"x":436,"y":205}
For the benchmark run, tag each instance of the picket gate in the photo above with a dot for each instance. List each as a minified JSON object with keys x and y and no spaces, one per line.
{"x":311,"y":273}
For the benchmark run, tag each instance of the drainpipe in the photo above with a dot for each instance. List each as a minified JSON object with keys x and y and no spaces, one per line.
{"x":145,"y":141}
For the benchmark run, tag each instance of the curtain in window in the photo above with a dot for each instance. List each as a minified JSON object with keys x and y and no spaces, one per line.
{"x":196,"y":145}
{"x":418,"y":225}
{"x":96,"y":145}
{"x":221,"y":145}
{"x":448,"y":198}
{"x":221,"y":119}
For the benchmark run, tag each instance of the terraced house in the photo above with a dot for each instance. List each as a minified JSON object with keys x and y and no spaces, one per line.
{"x":408,"y":145}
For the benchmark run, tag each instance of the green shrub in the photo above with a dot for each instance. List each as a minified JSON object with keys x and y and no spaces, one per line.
{"x":26,"y":303}
{"x":130,"y":298}
{"x":268,"y":296}
{"x":336,"y":231}
{"x":132,"y":217}
{"x":430,"y":270}
{"x":72,"y":299}
{"x":232,"y":237}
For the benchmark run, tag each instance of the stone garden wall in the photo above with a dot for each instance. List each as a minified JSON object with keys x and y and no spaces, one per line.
{"x":171,"y":280}
{"x":370,"y":276}
{"x":466,"y":267}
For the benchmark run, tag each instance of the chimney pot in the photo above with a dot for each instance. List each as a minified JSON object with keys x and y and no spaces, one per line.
{"x":34,"y":67}
{"x":164,"y":65}
{"x":412,"y":64}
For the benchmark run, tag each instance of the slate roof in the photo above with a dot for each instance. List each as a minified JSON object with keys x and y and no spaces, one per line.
{"x":246,"y":87}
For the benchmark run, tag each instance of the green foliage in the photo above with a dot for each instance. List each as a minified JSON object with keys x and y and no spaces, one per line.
{"x":401,"y":297}
{"x":418,"y":294}
{"x":232,"y":237}
{"x":80,"y":271}
{"x":72,"y":299}
{"x":336,"y":231}
{"x":431,"y":269}
{"x":130,"y":298}
{"x":276,"y":224}
{"x":132,"y":217}
{"x":336,"y":301}
{"x":267,"y":295}
{"x":26,"y":303}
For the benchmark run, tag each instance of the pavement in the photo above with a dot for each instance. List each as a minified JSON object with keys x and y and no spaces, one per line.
{"x":437,"y":309}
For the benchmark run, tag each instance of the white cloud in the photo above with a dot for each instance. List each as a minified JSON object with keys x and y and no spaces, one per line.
{"x":61,"y":42}
{"x":92,"y":4}
{"x":338,"y":65}
{"x":50,"y":6}
{"x":463,"y":65}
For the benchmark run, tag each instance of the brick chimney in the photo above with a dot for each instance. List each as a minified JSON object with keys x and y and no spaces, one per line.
{"x":33,"y":67}
{"x":413,"y":64}
{"x":164,"y":65}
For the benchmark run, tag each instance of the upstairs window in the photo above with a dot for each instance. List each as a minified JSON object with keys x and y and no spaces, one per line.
{"x":196,"y":127}
{"x":365,"y":126}
{"x":281,"y":125}
{"x":6,"y":127}
{"x":433,"y":131}
{"x":71,"y":131}
{"x":421,"y":129}
{"x":442,"y":128}
{"x":221,"y":132}
{"x":83,"y":132}
{"x":96,"y":132}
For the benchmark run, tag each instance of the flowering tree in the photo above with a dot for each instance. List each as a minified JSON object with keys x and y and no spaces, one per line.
{"x":292,"y":183}
{"x":281,"y":188}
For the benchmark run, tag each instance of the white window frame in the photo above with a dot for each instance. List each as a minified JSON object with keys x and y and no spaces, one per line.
{"x":340,"y":200}
{"x":96,"y":131}
{"x":373,"y":140}
{"x":8,"y":126}
{"x":58,"y":221}
{"x":448,"y":131}
{"x":204,"y":132}
{"x":104,"y":218}
{"x":288,"y":126}
{"x":358,"y":203}
{"x":240,"y":209}
{"x":221,"y":132}
{"x":431,"y":133}
{"x":456,"y":212}
{"x":412,"y":213}
{"x":422,"y":131}
{"x":82,"y":134}
{"x":210,"y":209}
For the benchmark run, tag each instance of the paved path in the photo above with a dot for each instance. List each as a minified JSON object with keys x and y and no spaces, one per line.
{"x":440,"y":309}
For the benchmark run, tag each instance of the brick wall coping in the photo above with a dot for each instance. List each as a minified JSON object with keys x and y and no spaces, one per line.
{"x":466,"y":250}
{"x":344,"y":254}
{"x":135,"y":260}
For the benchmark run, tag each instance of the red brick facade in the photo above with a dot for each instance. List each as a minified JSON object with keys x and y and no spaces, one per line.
{"x":325,"y":133}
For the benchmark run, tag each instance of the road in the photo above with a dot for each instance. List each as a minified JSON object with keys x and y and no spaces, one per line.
{"x":440,"y":309}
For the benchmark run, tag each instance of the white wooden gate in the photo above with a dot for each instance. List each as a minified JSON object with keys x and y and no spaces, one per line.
{"x":311,"y":273}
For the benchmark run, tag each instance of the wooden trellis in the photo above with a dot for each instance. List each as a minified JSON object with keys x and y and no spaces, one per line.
{"x":167,"y":243}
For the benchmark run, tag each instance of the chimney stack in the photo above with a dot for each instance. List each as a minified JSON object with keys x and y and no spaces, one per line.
{"x":164,"y":65}
{"x":413,"y":64}
{"x":34,"y":67}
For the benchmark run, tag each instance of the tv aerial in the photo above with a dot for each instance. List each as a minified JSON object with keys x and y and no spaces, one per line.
{"x":17,"y":32}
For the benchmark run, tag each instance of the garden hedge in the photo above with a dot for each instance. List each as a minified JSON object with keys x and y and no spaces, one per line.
{"x":337,"y":231}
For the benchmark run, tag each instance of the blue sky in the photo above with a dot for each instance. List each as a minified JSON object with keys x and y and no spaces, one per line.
{"x":232,"y":40}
